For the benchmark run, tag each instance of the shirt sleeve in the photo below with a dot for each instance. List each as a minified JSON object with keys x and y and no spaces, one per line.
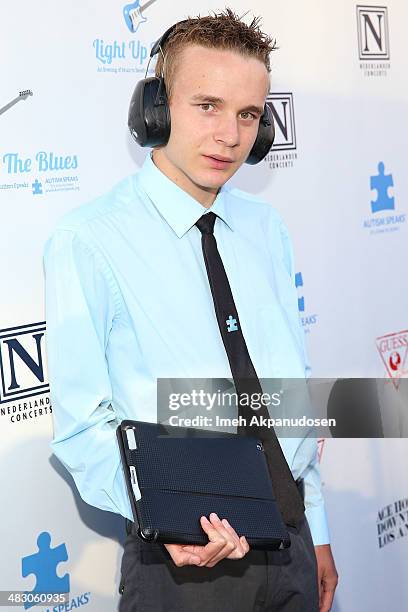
{"x":314,"y":500}
{"x":80,"y":307}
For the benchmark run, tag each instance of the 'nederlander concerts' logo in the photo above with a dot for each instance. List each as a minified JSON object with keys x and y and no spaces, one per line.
{"x":384,"y":219}
{"x":307,"y":319}
{"x":23,"y":375}
{"x":373,"y":40}
{"x":393,"y":349}
{"x":284,"y":149}
{"x":392,"y":522}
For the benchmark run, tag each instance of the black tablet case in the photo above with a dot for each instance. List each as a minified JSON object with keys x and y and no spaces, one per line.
{"x":184,"y":473}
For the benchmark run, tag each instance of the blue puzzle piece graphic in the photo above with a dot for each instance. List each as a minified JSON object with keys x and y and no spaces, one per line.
{"x":381,"y":182}
{"x":232,"y":324}
{"x":299,"y":283}
{"x":43,"y":564}
{"x":37,"y":187}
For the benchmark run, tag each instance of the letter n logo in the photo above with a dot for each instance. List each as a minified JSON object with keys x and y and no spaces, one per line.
{"x":281,"y":105}
{"x":373,"y":38}
{"x":22,"y":368}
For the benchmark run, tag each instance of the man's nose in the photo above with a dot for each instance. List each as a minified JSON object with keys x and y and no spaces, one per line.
{"x":227,"y":131}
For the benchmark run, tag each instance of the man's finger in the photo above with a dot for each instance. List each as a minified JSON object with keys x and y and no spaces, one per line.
{"x":244,"y":543}
{"x":220,"y":544}
{"x":196,"y":549}
{"x":207,"y":551}
{"x":226,"y":550}
{"x":211,"y":530}
{"x":319,"y":582}
{"x":326,"y":600}
{"x":229,"y":535}
{"x":222,"y":539}
{"x":185,"y":558}
{"x":214,"y":546}
{"x":230,"y":529}
{"x":328,"y":589}
{"x":242,"y":546}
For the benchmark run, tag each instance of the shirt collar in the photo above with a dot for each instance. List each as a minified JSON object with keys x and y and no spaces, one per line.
{"x":178,"y":208}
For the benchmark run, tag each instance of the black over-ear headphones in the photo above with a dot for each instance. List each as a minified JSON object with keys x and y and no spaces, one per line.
{"x":149,"y":115}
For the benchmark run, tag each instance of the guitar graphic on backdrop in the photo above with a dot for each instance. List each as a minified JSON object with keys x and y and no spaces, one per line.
{"x":133,"y":14}
{"x":23,"y":95}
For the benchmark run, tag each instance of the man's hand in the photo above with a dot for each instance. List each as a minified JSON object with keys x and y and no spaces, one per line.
{"x":327,"y":576}
{"x":223,"y":543}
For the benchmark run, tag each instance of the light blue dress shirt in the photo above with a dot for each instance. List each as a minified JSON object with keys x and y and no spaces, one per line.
{"x":128,"y":301}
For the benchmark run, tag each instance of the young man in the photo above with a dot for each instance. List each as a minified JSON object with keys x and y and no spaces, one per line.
{"x":128,"y":301}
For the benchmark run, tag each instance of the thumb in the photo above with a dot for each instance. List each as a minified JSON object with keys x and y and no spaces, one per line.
{"x":187,"y":558}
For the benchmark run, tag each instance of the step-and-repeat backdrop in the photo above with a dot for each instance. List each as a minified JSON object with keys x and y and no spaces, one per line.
{"x":338,"y":175}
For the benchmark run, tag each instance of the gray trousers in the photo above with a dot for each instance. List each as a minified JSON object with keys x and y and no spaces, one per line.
{"x":262,"y":581}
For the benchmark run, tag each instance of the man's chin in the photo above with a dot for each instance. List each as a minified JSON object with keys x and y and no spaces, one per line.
{"x":215,"y":179}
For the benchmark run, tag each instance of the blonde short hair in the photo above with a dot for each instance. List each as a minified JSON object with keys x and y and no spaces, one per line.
{"x":223,"y":30}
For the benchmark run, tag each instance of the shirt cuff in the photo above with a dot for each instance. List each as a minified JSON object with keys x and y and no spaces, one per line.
{"x":316,"y":517}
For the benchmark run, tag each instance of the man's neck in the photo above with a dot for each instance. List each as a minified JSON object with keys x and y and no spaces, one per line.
{"x":203,"y":196}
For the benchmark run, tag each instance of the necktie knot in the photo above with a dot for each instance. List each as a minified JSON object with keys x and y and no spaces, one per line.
{"x":206,"y":223}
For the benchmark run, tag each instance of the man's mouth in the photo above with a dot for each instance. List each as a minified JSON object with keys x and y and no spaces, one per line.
{"x":219,"y":161}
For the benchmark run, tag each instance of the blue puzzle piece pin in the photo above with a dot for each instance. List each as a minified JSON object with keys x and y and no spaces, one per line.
{"x":232,"y":324}
{"x":381,"y":182}
{"x":43,"y":564}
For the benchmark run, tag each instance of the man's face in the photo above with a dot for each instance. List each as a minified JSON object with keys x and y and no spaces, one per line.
{"x":216,"y":102}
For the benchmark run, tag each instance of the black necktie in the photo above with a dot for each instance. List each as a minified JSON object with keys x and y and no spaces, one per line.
{"x":245,"y":378}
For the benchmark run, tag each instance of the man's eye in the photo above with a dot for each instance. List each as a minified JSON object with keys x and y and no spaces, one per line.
{"x":248,"y":115}
{"x":206,"y":107}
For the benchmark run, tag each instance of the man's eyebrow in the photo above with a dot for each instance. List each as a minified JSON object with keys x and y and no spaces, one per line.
{"x":206,"y":98}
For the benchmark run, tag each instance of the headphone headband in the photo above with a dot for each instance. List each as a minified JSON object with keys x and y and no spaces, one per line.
{"x":161,"y":41}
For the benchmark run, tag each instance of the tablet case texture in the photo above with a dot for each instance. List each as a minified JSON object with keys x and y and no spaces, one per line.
{"x":184,"y":473}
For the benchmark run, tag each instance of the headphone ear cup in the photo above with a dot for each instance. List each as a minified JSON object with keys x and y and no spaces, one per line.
{"x":149,"y":114}
{"x":264,"y":139}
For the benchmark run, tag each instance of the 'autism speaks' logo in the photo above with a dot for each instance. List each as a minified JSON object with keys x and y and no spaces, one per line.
{"x":382,"y":221}
{"x":43,"y":565}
